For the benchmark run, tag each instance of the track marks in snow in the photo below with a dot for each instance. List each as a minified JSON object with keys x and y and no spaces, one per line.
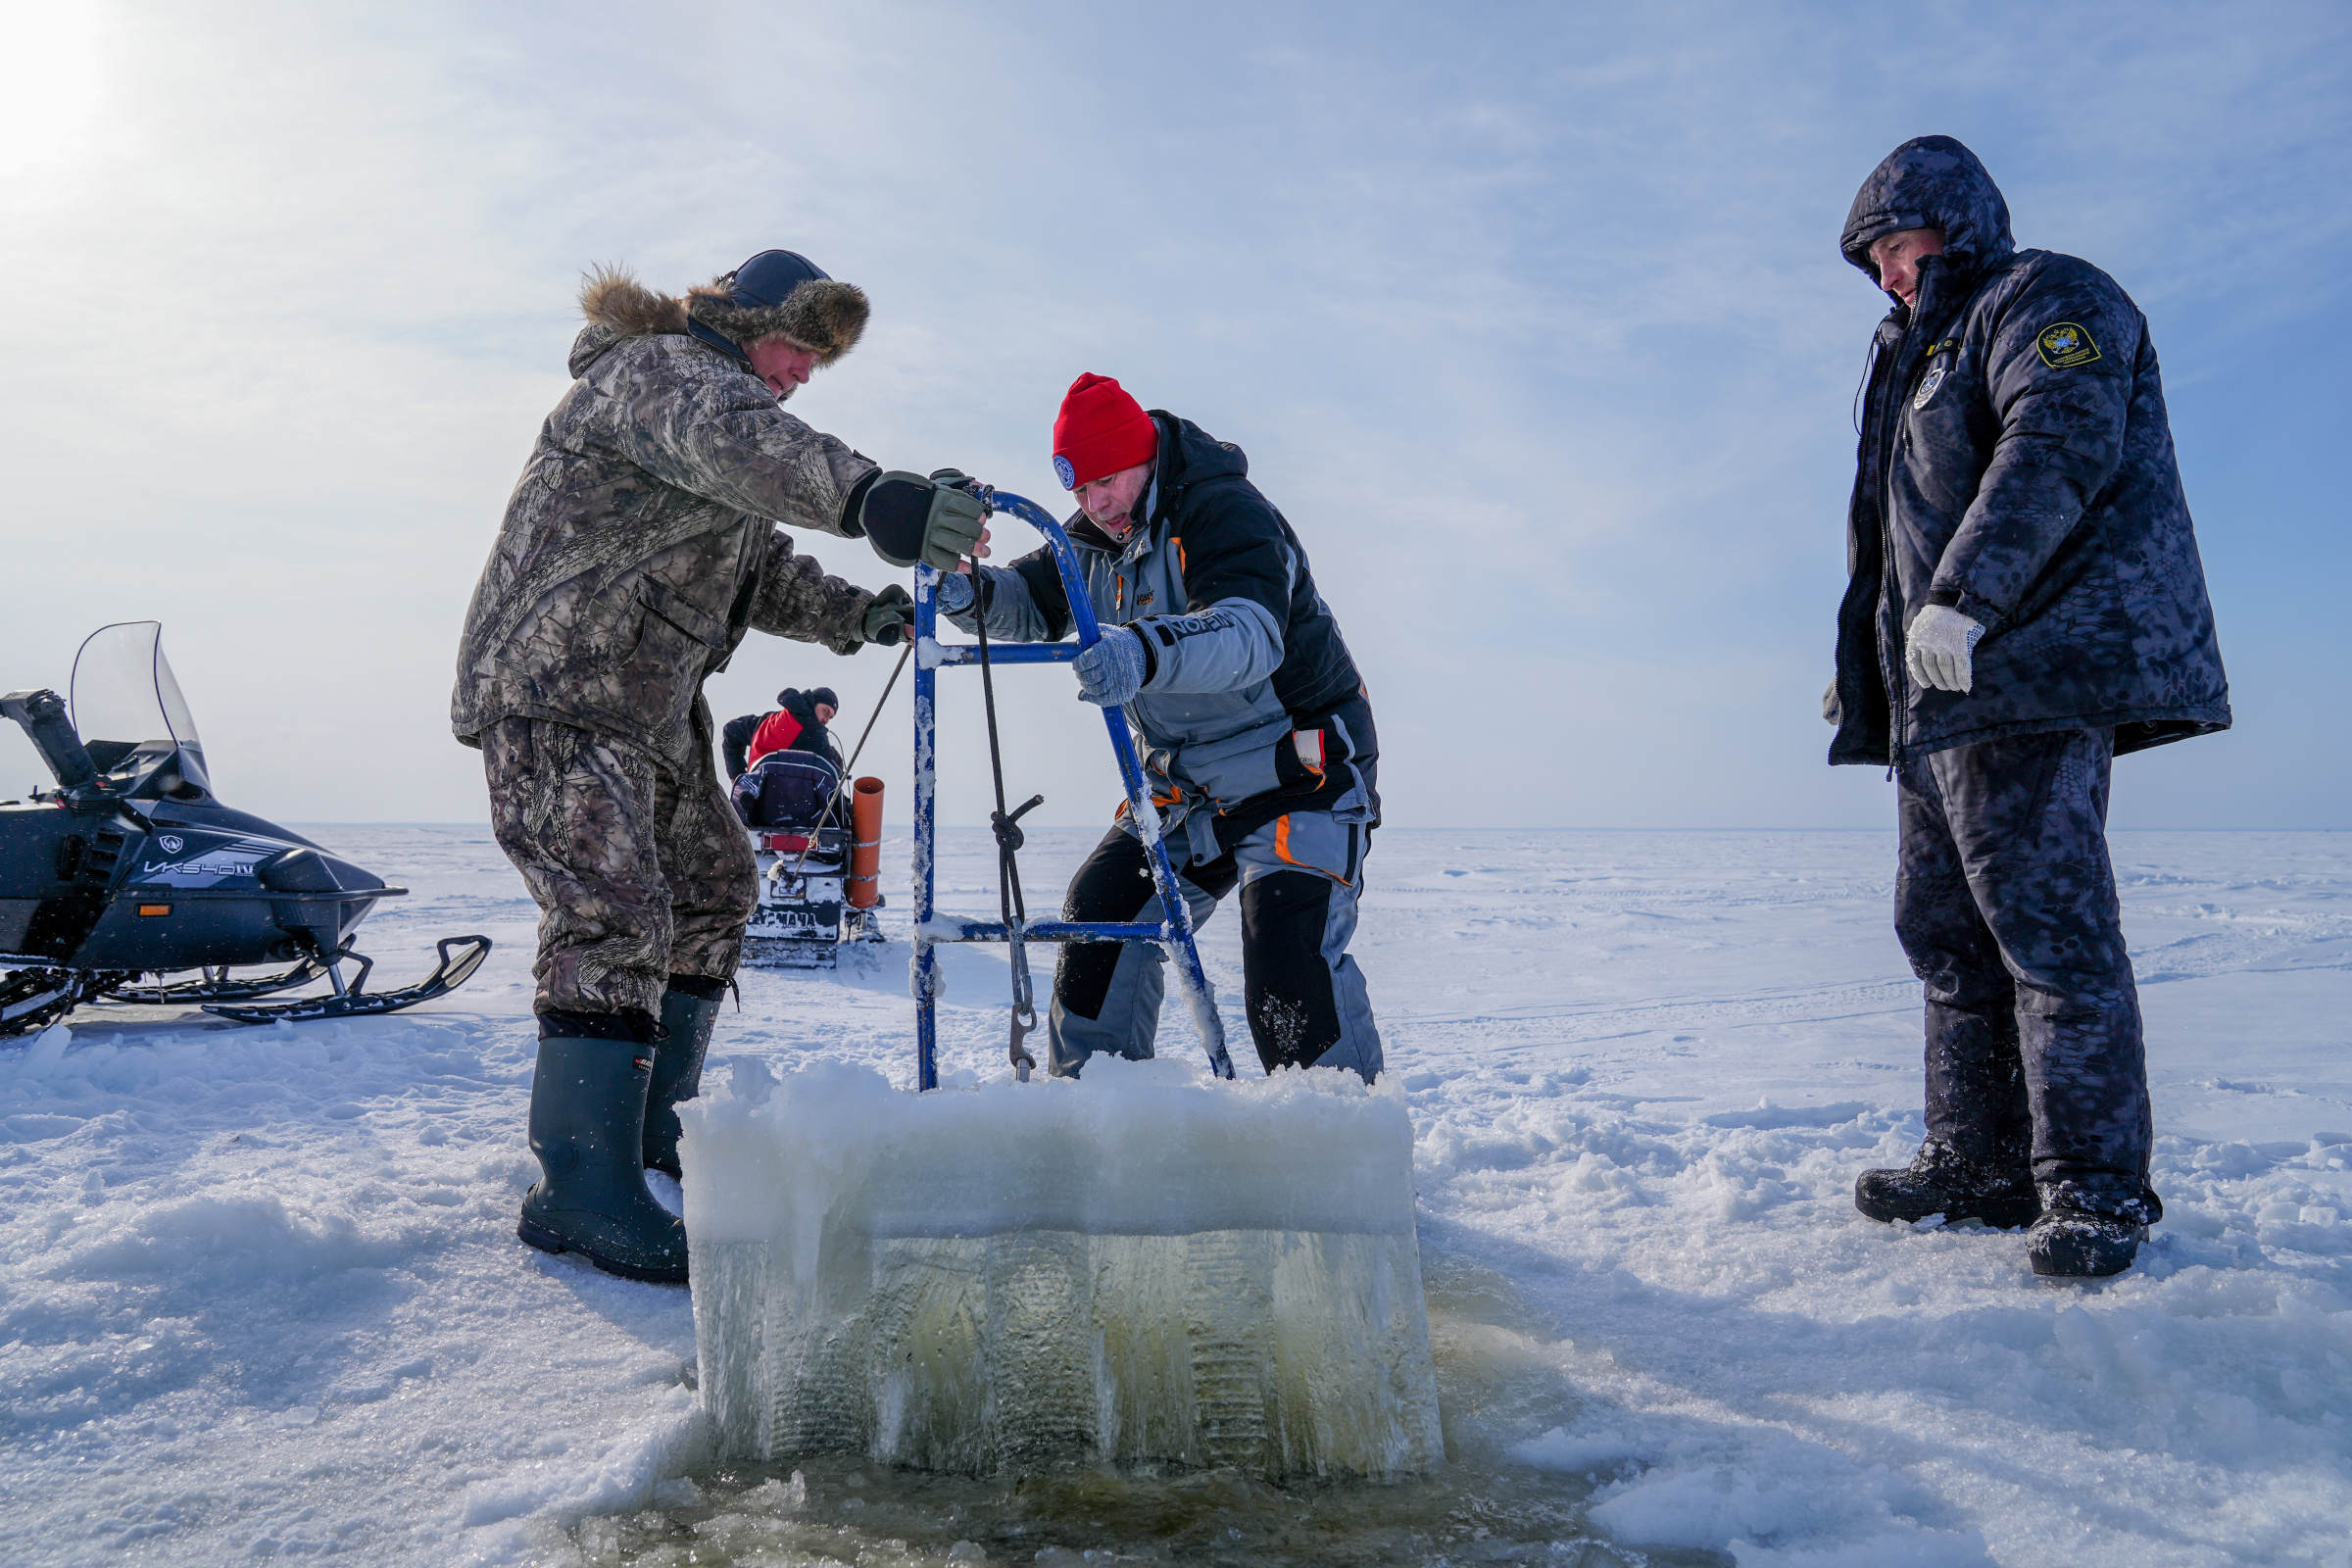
{"x":1668,"y":1174}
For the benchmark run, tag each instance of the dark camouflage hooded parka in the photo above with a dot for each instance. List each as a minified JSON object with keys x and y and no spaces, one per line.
{"x":638,"y":547}
{"x":2016,"y":464}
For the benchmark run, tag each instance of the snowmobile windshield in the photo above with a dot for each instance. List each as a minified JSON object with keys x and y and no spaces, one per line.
{"x":130,"y":713}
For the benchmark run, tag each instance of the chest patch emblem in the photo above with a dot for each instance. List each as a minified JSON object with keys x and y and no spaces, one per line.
{"x":2065,"y":346}
{"x":1929,"y":383}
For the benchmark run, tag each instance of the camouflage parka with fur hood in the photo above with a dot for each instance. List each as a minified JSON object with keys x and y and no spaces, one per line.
{"x":641,"y":542}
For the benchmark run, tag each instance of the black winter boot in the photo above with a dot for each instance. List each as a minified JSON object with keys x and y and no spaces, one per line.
{"x":2088,"y":1235}
{"x":689,"y":1007}
{"x":588,"y":1130}
{"x":1940,"y":1181}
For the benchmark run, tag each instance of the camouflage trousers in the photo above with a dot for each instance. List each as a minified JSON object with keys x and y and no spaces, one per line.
{"x":2006,"y":907}
{"x":639,"y":873}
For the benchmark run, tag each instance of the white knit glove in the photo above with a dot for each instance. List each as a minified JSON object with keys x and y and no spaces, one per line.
{"x":1937,"y":647}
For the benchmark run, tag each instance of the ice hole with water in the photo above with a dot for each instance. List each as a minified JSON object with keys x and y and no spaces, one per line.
{"x":1149,"y":1266}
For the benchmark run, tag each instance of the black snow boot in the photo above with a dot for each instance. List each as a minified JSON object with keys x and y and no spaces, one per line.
{"x":689,"y":1007}
{"x":2085,"y":1235}
{"x":588,"y":1130}
{"x":1938,"y":1181}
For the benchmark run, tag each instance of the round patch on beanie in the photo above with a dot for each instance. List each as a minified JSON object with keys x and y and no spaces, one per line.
{"x":1064,"y":473}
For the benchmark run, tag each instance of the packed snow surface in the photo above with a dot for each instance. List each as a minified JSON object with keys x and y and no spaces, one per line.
{"x":260,"y":1294}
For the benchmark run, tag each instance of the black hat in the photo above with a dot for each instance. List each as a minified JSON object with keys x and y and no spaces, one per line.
{"x":825,"y":695}
{"x":769,"y":277}
{"x":778,"y":294}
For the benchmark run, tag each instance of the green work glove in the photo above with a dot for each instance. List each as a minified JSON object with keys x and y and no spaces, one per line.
{"x":908,"y":517}
{"x":889,"y":617}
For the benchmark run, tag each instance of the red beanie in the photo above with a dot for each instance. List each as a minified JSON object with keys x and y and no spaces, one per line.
{"x":1100,"y":431}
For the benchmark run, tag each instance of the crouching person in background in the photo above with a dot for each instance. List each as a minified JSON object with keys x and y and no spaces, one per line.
{"x":637,"y":550}
{"x":796,"y":724}
{"x":1259,"y":738}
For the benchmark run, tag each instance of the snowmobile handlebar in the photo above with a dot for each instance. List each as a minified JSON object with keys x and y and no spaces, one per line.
{"x":41,"y":714}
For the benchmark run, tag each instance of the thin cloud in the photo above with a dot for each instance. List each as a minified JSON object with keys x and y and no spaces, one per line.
{"x":1534,"y":329}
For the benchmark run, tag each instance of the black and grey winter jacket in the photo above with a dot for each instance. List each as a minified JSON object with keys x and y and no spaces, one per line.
{"x":1251,"y":705}
{"x":2017,"y":464}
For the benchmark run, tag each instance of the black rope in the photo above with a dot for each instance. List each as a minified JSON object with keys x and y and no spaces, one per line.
{"x":1009,"y":839}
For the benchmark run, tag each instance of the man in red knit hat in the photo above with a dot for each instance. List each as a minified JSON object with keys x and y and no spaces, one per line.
{"x":1257,"y":734}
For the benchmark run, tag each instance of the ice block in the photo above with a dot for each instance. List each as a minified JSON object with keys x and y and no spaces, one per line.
{"x":1149,"y":1266}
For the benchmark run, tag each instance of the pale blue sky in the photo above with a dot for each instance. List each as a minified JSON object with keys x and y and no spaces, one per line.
{"x":1531,"y":318}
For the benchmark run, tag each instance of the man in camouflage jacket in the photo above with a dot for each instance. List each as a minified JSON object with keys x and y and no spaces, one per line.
{"x":639,"y":547}
{"x":2025,"y":603}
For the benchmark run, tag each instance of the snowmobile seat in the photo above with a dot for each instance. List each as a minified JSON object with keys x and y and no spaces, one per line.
{"x":788,"y":791}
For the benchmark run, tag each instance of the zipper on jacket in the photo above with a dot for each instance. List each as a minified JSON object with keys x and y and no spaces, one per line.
{"x":1897,"y":680}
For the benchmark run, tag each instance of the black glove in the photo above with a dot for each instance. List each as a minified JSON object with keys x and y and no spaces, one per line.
{"x":890,"y":617}
{"x":909,"y":519}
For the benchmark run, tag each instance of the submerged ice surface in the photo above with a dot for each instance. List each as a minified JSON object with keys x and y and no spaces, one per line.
{"x":1147,"y":1266}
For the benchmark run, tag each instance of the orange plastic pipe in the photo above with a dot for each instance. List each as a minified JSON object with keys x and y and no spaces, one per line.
{"x":865,"y":844}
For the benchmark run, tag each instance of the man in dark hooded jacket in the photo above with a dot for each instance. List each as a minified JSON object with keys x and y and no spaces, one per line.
{"x":2025,"y":603}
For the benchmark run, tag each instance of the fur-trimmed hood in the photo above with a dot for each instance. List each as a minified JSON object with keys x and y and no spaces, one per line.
{"x":825,"y":315}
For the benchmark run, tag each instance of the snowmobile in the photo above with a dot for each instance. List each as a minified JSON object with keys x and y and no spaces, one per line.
{"x":131,"y":871}
{"x":800,"y":817}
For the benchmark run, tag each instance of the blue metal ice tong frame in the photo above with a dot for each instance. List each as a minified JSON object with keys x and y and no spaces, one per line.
{"x":1174,"y":933}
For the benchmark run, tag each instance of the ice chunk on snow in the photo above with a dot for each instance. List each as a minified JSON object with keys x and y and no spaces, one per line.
{"x":1147,"y":1265}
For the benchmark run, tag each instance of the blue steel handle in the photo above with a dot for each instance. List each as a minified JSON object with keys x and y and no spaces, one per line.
{"x":1192,"y":979}
{"x":926,"y":792}
{"x":1074,"y":579}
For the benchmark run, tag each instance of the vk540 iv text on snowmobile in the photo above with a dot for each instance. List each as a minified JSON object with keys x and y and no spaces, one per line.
{"x":132,"y":870}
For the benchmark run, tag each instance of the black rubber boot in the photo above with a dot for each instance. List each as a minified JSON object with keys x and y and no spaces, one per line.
{"x":689,"y":1007}
{"x":588,"y":1130}
{"x":2088,"y":1231}
{"x":2075,"y":1243}
{"x":1940,"y":1181}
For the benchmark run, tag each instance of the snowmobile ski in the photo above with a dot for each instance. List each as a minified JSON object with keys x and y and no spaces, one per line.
{"x":217,"y":986}
{"x":357,"y":1002}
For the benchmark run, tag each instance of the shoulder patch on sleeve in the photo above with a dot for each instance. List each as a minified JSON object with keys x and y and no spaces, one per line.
{"x":2065,"y":345}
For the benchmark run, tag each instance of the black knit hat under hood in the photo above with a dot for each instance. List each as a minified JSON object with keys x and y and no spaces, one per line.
{"x":1930,"y":182}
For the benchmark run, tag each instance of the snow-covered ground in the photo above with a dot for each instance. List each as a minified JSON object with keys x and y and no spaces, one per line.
{"x":260,"y":1295}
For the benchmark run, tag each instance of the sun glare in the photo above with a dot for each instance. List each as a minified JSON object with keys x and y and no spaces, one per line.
{"x":50,"y":98}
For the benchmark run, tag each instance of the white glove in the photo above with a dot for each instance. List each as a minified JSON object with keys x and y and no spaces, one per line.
{"x":1937,"y":647}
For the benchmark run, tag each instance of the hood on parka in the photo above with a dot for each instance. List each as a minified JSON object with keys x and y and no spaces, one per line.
{"x":823,"y":314}
{"x":1930,"y":182}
